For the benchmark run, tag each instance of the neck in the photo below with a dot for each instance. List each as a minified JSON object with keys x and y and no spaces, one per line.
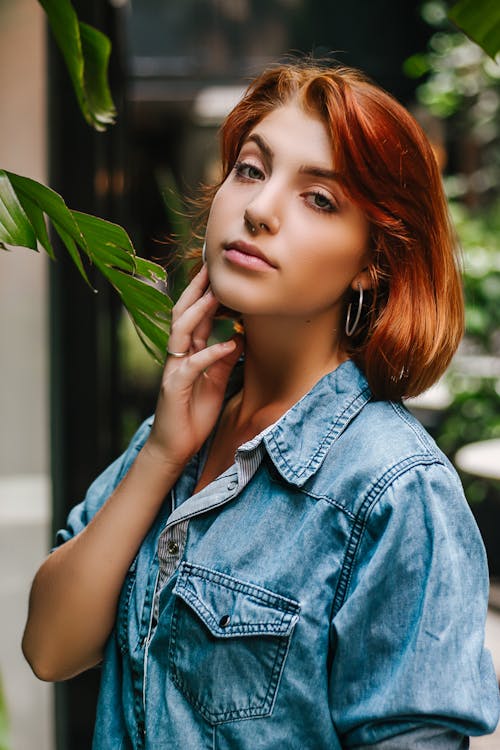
{"x":284,"y":358}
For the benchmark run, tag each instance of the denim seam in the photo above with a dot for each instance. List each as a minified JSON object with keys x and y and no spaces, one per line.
{"x":330,"y":500}
{"x":124,"y":606}
{"x":254,"y":628}
{"x":275,"y":601}
{"x":373,"y":495}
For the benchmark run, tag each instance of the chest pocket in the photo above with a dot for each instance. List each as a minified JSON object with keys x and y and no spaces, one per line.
{"x":228,"y":644}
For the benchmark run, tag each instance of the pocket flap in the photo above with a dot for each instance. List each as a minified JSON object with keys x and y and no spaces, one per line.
{"x":230,"y":607}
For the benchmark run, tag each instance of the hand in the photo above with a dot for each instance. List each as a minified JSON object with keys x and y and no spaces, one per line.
{"x":193,"y":387}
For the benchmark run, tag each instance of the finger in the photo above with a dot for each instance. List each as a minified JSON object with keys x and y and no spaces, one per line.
{"x":197,"y":363}
{"x":194,"y":290}
{"x":181,"y":334}
{"x":220,"y":370}
{"x":204,"y":328}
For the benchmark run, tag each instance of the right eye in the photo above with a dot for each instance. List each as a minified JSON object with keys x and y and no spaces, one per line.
{"x":248,"y":171}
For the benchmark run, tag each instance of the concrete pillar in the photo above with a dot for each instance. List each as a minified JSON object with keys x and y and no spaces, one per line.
{"x":24,"y":433}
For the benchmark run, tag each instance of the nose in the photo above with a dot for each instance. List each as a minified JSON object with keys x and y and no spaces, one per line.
{"x":262,"y":213}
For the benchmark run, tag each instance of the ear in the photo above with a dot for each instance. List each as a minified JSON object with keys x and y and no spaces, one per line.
{"x":363,"y":278}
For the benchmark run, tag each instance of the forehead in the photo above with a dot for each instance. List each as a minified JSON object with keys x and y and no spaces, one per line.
{"x":291,"y":130}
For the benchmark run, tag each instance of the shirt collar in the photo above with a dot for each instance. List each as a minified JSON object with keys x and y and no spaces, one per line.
{"x":328,"y":408}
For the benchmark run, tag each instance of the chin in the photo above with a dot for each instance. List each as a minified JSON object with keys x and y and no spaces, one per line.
{"x":230,"y":304}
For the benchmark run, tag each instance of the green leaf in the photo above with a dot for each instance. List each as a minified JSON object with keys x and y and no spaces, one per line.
{"x":36,"y":218}
{"x":45,"y":200}
{"x":480,"y":20}
{"x":109,"y":241}
{"x":148,"y":306}
{"x":86,"y":53}
{"x":49,"y":202}
{"x":72,"y":249}
{"x":139,"y":282}
{"x":96,"y":51}
{"x":15,"y":227}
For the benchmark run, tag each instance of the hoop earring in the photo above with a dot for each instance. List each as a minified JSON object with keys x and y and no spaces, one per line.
{"x":204,"y":252}
{"x":350,"y":329}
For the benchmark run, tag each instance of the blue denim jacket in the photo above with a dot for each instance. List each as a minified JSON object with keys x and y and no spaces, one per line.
{"x":336,"y":601}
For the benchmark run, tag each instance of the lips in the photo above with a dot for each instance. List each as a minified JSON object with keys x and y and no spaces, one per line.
{"x":247,"y":253}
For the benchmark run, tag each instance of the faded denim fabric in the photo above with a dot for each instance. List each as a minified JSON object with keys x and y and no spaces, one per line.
{"x":337,"y":601}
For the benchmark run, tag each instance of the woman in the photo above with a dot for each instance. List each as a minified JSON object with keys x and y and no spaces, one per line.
{"x":284,"y":558}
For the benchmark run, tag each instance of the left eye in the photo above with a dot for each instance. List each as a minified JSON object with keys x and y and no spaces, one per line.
{"x":248,"y":171}
{"x":321,"y":202}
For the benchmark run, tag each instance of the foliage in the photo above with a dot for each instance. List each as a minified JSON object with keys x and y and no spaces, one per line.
{"x":86,"y":53}
{"x":460,"y":85}
{"x":23,"y":204}
{"x":479,"y":233}
{"x":480,"y":19}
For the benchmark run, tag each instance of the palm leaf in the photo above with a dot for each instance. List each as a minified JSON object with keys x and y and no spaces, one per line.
{"x":15,"y":227}
{"x":480,"y":20}
{"x":88,"y":239}
{"x":86,"y":53}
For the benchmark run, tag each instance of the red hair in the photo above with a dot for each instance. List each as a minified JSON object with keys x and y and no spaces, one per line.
{"x":412,"y":318}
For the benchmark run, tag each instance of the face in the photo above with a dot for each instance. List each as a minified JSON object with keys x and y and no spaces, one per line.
{"x":282,"y":238}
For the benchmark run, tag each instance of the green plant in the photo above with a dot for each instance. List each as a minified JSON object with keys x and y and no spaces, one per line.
{"x":461,"y":85}
{"x":25,"y":204}
{"x":479,"y":19}
{"x":479,"y":233}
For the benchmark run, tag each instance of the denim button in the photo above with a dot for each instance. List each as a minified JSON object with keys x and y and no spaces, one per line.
{"x":172,"y":547}
{"x":232,"y":485}
{"x":224,"y":621}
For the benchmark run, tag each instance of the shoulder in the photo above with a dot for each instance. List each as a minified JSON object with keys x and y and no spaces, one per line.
{"x":103,"y":486}
{"x":106,"y":482}
{"x":382,"y":451}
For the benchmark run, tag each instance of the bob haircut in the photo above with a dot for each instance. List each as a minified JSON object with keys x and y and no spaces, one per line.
{"x":412,"y":318}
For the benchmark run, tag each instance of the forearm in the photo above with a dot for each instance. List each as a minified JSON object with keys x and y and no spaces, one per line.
{"x":74,"y":595}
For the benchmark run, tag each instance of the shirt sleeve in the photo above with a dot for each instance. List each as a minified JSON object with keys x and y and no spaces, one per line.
{"x":408,"y":639}
{"x":102,"y":487}
{"x":421,"y":738}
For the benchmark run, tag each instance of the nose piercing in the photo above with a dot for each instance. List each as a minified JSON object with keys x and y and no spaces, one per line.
{"x":253,"y":228}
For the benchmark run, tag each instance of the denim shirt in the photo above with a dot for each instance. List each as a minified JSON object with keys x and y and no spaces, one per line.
{"x":336,"y":600}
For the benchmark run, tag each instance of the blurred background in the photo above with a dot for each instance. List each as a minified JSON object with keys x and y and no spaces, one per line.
{"x":75,"y":379}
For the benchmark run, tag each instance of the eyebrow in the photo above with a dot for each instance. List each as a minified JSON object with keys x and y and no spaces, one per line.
{"x":266,"y":150}
{"x":268,"y":154}
{"x":327,"y":174}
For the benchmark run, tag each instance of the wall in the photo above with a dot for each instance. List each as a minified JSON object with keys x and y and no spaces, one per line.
{"x":24,"y":445}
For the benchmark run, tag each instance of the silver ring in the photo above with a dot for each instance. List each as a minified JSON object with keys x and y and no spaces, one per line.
{"x":177,"y":354}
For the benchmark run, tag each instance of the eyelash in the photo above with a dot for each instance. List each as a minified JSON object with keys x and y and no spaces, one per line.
{"x":241,"y":168}
{"x":329,"y":209}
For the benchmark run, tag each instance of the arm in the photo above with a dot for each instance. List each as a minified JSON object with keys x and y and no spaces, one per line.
{"x":408,"y":639}
{"x":422,"y":738}
{"x":74,"y":595}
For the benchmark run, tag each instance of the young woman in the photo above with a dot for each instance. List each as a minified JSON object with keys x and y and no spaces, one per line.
{"x":283,"y":558}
